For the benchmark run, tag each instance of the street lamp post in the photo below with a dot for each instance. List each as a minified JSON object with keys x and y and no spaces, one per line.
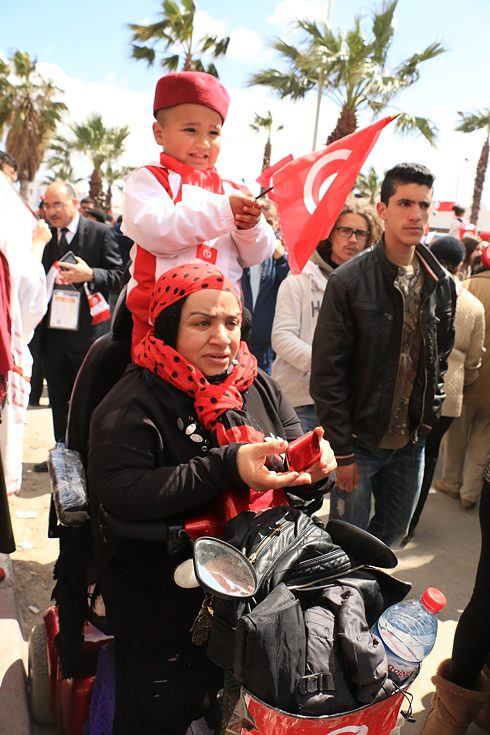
{"x":320,"y":90}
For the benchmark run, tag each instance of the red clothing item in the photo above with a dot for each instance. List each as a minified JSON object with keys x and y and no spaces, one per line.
{"x":6,"y":362}
{"x":144,"y":267}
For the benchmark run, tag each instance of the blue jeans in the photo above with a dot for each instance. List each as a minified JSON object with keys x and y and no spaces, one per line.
{"x":307,"y":417}
{"x":393,"y":478}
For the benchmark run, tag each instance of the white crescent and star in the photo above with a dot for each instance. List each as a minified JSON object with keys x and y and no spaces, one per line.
{"x":310,"y":197}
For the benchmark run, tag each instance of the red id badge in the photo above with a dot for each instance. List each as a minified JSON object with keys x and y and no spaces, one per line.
{"x":207,"y":253}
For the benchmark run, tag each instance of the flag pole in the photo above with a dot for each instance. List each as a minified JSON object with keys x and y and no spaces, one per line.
{"x":263,"y":193}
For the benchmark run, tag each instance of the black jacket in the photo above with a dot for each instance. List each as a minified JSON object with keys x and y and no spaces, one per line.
{"x":96,"y":245}
{"x":144,"y":465}
{"x":356,"y":349}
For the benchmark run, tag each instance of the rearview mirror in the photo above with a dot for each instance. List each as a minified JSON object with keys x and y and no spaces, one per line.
{"x":222,"y":570}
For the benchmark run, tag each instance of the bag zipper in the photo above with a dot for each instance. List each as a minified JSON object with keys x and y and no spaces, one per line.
{"x":317,"y":582}
{"x":266,"y":540}
{"x":298,"y":540}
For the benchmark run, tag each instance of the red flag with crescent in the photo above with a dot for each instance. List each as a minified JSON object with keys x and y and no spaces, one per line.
{"x":311,"y":191}
{"x":265,"y":177}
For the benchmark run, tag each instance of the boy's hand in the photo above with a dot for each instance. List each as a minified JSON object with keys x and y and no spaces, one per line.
{"x":246,"y":210}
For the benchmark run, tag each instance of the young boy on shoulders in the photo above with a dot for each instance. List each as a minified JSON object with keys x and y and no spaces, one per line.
{"x":179,"y":210}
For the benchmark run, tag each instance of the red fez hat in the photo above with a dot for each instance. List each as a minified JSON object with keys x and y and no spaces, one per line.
{"x":191,"y":87}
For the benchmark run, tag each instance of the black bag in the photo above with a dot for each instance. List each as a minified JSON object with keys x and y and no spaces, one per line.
{"x":294,"y":557}
{"x":270,"y":647}
{"x":286,"y":545}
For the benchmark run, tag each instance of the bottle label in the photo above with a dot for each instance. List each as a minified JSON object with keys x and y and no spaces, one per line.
{"x":398,"y":669}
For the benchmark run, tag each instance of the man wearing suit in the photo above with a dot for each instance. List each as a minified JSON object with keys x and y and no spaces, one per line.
{"x":67,"y":330}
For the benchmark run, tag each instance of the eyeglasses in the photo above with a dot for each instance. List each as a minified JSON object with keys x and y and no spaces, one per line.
{"x":347,"y":232}
{"x":57,"y":206}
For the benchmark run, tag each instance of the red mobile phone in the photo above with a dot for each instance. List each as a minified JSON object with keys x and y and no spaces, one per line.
{"x":304,"y":452}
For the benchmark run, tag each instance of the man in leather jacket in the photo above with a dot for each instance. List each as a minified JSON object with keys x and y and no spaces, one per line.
{"x":380,"y":352}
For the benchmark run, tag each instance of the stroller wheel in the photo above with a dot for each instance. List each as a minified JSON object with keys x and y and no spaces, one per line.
{"x":38,"y":689}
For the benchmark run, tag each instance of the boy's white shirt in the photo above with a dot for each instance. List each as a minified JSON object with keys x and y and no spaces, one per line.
{"x":165,"y":228}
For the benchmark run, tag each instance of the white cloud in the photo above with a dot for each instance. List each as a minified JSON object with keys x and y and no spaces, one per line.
{"x":287,"y":11}
{"x":246,"y":44}
{"x":204,"y":24}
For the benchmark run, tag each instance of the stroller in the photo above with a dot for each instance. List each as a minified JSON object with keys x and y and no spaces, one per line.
{"x":64,"y":648}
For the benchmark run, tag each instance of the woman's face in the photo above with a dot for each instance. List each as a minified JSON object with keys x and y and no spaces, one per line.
{"x":209,"y":330}
{"x":349,"y":237}
{"x":476,"y":252}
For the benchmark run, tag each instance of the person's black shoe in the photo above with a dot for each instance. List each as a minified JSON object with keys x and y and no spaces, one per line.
{"x":40,"y":467}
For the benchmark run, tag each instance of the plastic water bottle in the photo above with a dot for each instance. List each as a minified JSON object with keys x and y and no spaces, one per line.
{"x":408,"y":632}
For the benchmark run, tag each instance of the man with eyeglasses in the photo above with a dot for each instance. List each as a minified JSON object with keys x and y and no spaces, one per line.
{"x":67,"y":329}
{"x":380,"y":352}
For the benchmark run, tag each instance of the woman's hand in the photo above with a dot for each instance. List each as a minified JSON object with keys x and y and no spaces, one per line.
{"x":327,"y":462}
{"x":251,"y":459}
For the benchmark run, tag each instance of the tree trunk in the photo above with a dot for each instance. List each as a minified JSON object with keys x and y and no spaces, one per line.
{"x":96,"y":191}
{"x":24,"y":189}
{"x":481,"y":171}
{"x":346,"y":124}
{"x":266,"y":160}
{"x":108,"y":199}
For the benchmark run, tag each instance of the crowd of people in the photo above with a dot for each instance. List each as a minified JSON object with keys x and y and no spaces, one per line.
{"x":380,"y":346}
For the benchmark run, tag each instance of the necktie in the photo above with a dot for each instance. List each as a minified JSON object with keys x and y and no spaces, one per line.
{"x":63,"y":242}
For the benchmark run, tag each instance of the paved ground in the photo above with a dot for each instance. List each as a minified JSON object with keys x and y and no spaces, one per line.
{"x":444,"y":554}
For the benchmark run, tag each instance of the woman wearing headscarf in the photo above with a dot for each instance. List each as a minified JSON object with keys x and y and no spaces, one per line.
{"x":187,"y":422}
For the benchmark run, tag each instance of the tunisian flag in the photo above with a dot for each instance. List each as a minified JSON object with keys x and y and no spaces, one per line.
{"x":311,"y":191}
{"x":265,"y":177}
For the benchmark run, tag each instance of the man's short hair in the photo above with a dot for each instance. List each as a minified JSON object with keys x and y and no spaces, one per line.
{"x":87,"y":200}
{"x":7,"y":160}
{"x":70,"y":190}
{"x":405,"y":173}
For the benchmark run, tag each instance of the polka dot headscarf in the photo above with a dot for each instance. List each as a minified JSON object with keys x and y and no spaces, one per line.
{"x":179,"y":282}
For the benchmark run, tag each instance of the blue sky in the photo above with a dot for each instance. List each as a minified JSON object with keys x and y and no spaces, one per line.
{"x":85,"y":48}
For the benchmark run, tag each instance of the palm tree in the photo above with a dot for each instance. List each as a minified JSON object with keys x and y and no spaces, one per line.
{"x":59,"y":163}
{"x":265,"y":123}
{"x":29,"y":112}
{"x":369,"y":185}
{"x":470,"y":122}
{"x":176,"y":33}
{"x":352,"y":69}
{"x":102,"y":145}
{"x":113,"y":175}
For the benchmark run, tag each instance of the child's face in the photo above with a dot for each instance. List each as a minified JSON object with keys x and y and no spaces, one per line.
{"x":190,"y":133}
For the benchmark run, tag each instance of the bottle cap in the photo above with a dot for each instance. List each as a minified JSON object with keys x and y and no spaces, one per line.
{"x":433,"y":599}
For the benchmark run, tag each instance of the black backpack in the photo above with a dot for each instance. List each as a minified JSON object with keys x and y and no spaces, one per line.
{"x":270,"y":642}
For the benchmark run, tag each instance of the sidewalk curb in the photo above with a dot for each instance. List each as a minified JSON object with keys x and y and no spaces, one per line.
{"x":14,"y":709}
